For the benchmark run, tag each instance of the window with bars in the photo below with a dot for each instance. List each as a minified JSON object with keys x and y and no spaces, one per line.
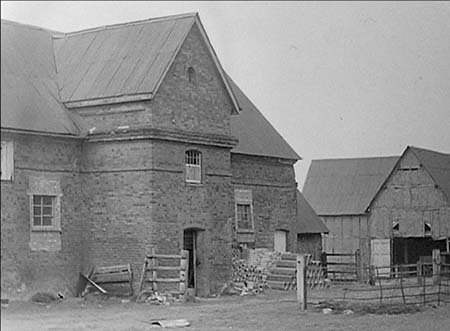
{"x":43,"y":211}
{"x":193,"y":160}
{"x":244,"y":216}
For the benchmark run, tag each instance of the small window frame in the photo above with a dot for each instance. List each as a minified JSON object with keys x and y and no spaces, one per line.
{"x":193,"y":166}
{"x":243,"y":208}
{"x":42,"y":203}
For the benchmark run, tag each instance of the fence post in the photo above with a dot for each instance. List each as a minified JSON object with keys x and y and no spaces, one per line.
{"x":357,"y":265}
{"x":323,"y":260}
{"x":436,"y":266}
{"x":419,"y":273}
{"x":301,"y":281}
{"x":184,"y":271}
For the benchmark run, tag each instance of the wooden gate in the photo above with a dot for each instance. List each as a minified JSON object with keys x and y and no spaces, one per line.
{"x":165,"y":272}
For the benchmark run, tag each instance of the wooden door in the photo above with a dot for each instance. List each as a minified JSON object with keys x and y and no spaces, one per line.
{"x":381,"y":255}
{"x":190,"y":244}
{"x":280,"y":241}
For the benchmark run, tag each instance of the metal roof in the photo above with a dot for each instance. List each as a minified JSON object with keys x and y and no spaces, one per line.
{"x":126,"y":59}
{"x":29,"y":93}
{"x":345,"y":186}
{"x":307,"y":219}
{"x":256,"y":135}
{"x":438,"y":166}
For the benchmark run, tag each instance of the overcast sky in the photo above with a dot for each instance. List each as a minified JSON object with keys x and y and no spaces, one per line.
{"x":342,"y":79}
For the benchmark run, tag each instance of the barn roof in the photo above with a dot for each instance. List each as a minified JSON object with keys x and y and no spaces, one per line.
{"x":255,"y":133}
{"x":438,"y":166}
{"x":307,"y":219}
{"x":345,"y":186}
{"x":29,"y":93}
{"x":35,"y":91}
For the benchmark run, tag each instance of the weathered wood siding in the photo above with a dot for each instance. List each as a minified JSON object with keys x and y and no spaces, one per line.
{"x":347,"y":234}
{"x":411,"y":198}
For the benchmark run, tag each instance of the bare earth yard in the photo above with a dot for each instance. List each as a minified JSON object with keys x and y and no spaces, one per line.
{"x":269,"y":311}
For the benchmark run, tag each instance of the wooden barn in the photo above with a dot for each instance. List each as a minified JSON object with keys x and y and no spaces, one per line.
{"x":393,"y":210}
{"x":310,"y":229}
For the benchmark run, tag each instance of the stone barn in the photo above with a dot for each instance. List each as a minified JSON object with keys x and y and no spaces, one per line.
{"x":121,"y":138}
{"x":392,"y":209}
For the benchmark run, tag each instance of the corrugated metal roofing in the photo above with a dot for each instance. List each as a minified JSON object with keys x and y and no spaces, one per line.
{"x":438,"y":166}
{"x":307,"y":219}
{"x":256,"y":135}
{"x":126,"y":59}
{"x":29,"y":93}
{"x":345,"y":186}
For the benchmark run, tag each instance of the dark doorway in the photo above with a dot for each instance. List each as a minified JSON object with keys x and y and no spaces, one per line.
{"x":190,"y":244}
{"x":409,"y":250}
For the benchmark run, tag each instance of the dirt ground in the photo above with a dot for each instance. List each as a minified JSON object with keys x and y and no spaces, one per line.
{"x":273,"y":310}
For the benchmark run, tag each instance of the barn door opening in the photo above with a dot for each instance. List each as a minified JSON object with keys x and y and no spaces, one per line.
{"x":280,"y":241}
{"x":190,"y":244}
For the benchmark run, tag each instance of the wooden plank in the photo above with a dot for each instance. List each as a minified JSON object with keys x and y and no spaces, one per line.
{"x":95,"y":285}
{"x":164,"y":280}
{"x":141,"y":282}
{"x":151,"y":268}
{"x":162,"y":256}
{"x":118,"y":268}
{"x":119,"y":277}
{"x":154,"y":263}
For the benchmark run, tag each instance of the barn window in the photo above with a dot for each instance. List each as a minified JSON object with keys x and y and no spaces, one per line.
{"x":427,"y":228}
{"x":244,"y":209}
{"x":43,"y":211}
{"x":192,"y":75}
{"x":7,"y":160}
{"x":193,"y":160}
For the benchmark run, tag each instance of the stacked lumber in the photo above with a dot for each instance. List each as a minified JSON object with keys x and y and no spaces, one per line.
{"x":250,"y":273}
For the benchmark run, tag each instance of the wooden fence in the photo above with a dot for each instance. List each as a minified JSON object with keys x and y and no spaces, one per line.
{"x":165,"y":272}
{"x":341,"y":266}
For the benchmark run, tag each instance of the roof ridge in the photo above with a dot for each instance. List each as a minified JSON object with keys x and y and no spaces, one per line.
{"x":119,"y":25}
{"x":30,"y":26}
{"x":428,"y":150}
{"x":358,"y":158}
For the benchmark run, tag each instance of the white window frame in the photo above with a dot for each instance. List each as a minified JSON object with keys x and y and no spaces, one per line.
{"x":193,"y":165}
{"x":41,"y":206}
{"x":7,"y":160}
{"x":42,"y":186}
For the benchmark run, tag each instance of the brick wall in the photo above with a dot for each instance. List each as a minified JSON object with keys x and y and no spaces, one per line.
{"x":202,"y":107}
{"x":274,"y":196}
{"x":27,"y":264}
